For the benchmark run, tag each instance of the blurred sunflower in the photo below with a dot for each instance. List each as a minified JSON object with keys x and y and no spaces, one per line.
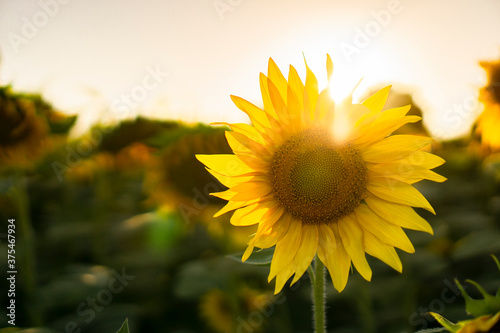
{"x":489,"y":120}
{"x":22,"y":131}
{"x":323,"y":179}
{"x":134,"y":157}
{"x":29,"y":126}
{"x":177,"y":177}
{"x":88,"y":169}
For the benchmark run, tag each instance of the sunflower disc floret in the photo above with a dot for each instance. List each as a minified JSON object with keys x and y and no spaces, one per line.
{"x":316,"y":180}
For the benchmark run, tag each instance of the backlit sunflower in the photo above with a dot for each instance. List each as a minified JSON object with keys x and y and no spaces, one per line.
{"x":323,"y":179}
{"x":489,"y":120}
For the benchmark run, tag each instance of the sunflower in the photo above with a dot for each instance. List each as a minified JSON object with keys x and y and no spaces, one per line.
{"x":488,"y":121}
{"x":22,"y":131}
{"x":323,"y":179}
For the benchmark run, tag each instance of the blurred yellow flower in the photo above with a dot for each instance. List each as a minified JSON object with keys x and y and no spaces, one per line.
{"x":224,"y":312}
{"x":215,"y":308}
{"x":489,"y":121}
{"x":325,"y":179}
{"x":134,"y":157}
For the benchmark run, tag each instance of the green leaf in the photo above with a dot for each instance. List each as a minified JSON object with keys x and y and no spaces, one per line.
{"x":496,"y":261}
{"x":479,"y":307}
{"x":261,"y":257}
{"x":124,"y":328}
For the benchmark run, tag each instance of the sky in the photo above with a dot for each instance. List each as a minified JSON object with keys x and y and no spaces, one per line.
{"x":182,"y":59}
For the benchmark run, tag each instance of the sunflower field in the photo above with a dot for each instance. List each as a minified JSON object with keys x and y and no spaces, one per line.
{"x":314,"y":214}
{"x":118,"y":223}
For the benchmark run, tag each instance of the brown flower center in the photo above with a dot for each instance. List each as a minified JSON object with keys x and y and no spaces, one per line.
{"x":316,"y":180}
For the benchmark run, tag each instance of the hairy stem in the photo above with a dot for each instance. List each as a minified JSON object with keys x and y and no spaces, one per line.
{"x":318,"y":295}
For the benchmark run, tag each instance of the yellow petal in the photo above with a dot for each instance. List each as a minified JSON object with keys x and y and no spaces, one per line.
{"x":326,"y":241}
{"x":352,"y":239}
{"x":273,"y":229}
{"x":275,"y":75}
{"x":286,"y":249}
{"x":398,"y":192}
{"x":251,"y":190}
{"x":415,"y":176}
{"x":255,"y":162}
{"x":378,"y":249}
{"x":343,"y":262}
{"x":266,"y":99}
{"x":232,"y":181}
{"x":329,"y":67}
{"x":415,"y":161}
{"x":384,"y":124}
{"x":401,"y":215}
{"x":295,"y":83}
{"x":232,"y":205}
{"x":282,"y":277}
{"x":424,"y":159}
{"x":307,"y":250}
{"x":275,"y":211}
{"x":279,"y":104}
{"x":389,"y":233}
{"x":257,"y":116}
{"x":377,"y":101}
{"x":228,"y":165}
{"x":311,"y":88}
{"x":250,"y":215}
{"x":294,"y":112}
{"x":269,"y":231}
{"x":226,"y":195}
{"x":241,"y":143}
{"x":382,"y":128}
{"x":325,"y":107}
{"x":244,"y":129}
{"x":394,"y":148}
{"x":332,"y":253}
{"x":247,"y":252}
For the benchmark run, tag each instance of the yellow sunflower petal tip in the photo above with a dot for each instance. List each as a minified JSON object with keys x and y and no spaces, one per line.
{"x":300,"y":181}
{"x":329,"y":66}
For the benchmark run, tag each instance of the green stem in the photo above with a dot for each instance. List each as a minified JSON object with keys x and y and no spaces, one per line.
{"x":318,"y":296}
{"x":27,"y":246}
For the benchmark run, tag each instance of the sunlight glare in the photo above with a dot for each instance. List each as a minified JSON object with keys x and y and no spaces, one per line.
{"x":341,"y":124}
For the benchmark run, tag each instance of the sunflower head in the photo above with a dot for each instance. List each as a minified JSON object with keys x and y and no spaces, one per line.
{"x":320,"y":179}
